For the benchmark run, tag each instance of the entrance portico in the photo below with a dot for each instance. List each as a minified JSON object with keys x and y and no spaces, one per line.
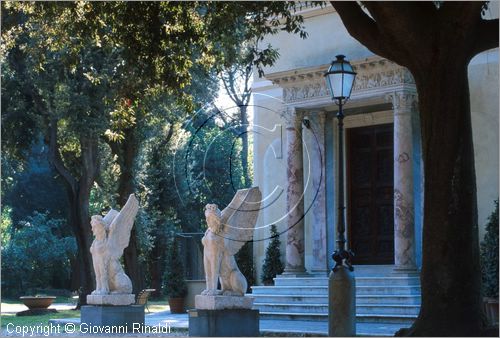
{"x":384,"y":93}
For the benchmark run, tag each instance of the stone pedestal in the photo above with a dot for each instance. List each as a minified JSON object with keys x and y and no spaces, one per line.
{"x":118,"y":299}
{"x":342,"y":303}
{"x":117,"y":316}
{"x":224,"y":323}
{"x":222,"y":302}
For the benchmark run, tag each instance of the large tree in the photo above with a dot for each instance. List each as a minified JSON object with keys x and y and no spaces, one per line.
{"x":436,"y":41}
{"x":82,"y":59}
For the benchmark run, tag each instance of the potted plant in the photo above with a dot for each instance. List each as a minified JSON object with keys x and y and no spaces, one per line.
{"x":175,"y":286}
{"x":489,"y":267}
{"x":272,"y":263}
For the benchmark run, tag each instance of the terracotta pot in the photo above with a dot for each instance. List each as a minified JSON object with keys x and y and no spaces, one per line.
{"x":37,"y":302}
{"x":491,"y":309}
{"x":176,"y":305}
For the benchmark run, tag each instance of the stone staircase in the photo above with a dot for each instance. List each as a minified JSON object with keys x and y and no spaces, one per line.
{"x":381,"y":297}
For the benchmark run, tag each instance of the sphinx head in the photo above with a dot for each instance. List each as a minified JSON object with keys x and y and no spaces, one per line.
{"x":98,"y":226}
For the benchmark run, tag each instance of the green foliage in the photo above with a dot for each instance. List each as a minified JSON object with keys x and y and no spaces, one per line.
{"x":489,"y":256}
{"x":272,"y":263}
{"x":37,"y":255}
{"x":244,"y":259}
{"x":81,"y":74}
{"x":34,"y":188}
{"x":175,"y":285}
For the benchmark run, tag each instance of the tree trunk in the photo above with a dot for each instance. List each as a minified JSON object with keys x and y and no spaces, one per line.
{"x":127,"y":153}
{"x":157,"y":264}
{"x":80,"y":222}
{"x":78,"y":192}
{"x":450,"y":276}
{"x":244,"y":145}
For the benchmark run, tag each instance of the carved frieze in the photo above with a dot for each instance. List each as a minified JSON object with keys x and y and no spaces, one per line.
{"x":373,"y":74}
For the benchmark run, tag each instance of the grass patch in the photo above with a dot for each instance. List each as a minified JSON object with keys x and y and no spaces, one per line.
{"x":36,"y":320}
{"x":6,"y":318}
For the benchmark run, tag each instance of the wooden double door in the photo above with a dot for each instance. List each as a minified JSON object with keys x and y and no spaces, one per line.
{"x":370,"y":209}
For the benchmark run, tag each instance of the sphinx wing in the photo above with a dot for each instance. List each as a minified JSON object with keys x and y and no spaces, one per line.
{"x":121,"y":226}
{"x":239,"y":219}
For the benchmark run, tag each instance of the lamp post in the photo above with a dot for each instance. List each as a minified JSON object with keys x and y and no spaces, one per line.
{"x":341,"y":284}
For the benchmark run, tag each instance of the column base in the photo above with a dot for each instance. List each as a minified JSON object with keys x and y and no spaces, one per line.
{"x":295,"y":273}
{"x":320,"y":273}
{"x":406,"y":271}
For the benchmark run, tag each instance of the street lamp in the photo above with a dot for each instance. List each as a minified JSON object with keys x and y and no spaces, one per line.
{"x":341,"y":284}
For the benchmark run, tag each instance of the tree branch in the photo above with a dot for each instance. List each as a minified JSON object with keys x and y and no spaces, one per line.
{"x":487,"y":36}
{"x":55,"y":157}
{"x":229,"y":86}
{"x":90,"y":160}
{"x":360,"y":26}
{"x":247,"y":91}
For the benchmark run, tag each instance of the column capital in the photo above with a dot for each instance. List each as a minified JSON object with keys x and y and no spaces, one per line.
{"x":402,"y":101}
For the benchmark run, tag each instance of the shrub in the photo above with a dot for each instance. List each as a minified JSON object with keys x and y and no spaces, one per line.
{"x":174,"y":284}
{"x":272,"y":263}
{"x":489,"y":256}
{"x":37,"y":255}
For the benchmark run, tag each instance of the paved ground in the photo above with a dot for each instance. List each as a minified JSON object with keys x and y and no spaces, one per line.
{"x":269,"y":327}
{"x":13,"y":308}
{"x":179,"y":324}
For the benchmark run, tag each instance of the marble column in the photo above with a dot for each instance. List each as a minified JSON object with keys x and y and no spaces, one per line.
{"x":295,"y":255}
{"x":318,"y":210}
{"x":404,"y":103}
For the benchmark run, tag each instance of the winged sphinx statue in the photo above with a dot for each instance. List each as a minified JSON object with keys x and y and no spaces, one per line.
{"x":112,"y":235}
{"x":228,"y":230}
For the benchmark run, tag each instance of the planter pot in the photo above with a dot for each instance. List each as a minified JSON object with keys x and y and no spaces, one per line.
{"x":40,"y":302}
{"x":176,"y":305}
{"x":491,"y":309}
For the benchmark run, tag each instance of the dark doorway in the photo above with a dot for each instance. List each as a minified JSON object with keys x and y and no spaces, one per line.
{"x":370,"y":182}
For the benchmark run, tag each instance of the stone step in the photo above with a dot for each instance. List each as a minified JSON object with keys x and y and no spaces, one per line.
{"x":323,"y":290}
{"x":301,"y":281}
{"x":293,"y":316}
{"x":373,"y":270}
{"x":291,"y":308}
{"x":388,"y":299}
{"x":291,"y":299}
{"x":323,"y":299}
{"x":395,"y":310}
{"x":389,"y":319}
{"x":388,"y":290}
{"x":323,"y":308}
{"x":360,"y":281}
{"x":290,"y":290}
{"x":360,"y":318}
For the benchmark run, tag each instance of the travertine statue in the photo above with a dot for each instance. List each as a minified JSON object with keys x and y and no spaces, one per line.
{"x":227,"y":232}
{"x":112,"y":234}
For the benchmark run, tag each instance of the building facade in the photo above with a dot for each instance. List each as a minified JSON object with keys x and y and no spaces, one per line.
{"x":295,"y":151}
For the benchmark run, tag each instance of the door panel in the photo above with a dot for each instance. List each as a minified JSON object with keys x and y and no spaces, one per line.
{"x":370,"y":194}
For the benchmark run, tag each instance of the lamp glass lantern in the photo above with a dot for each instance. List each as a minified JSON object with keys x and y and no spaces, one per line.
{"x":340,"y":79}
